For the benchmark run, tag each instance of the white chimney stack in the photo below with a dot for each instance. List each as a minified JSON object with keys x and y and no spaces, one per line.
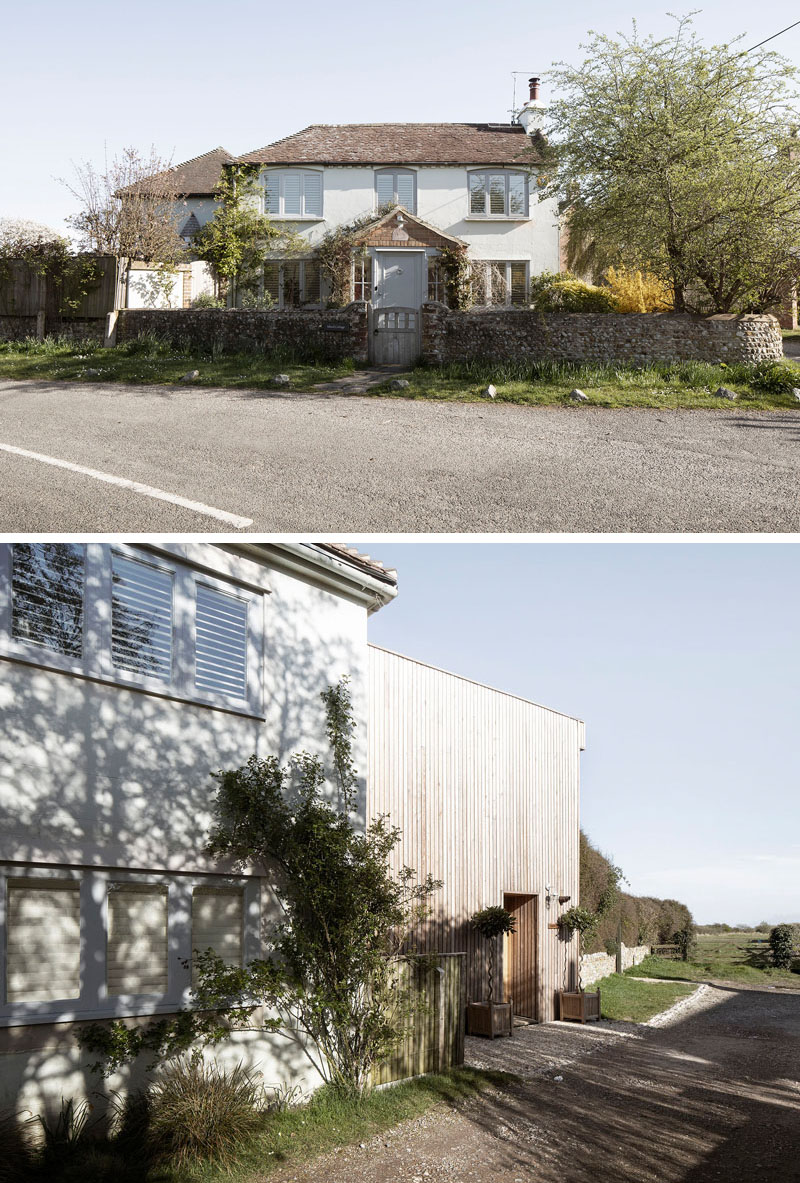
{"x":533,"y":114}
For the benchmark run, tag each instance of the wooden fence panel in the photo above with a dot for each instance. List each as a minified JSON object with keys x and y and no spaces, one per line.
{"x":24,"y":292}
{"x":435,"y":1041}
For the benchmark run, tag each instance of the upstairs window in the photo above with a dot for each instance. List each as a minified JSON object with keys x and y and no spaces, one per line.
{"x":396,"y":187}
{"x":141,"y":618}
{"x":498,"y":194}
{"x":293,"y":194}
{"x":47,"y":596}
{"x":134,"y":618}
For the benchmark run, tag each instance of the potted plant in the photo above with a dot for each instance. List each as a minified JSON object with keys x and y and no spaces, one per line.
{"x":489,"y":1017}
{"x":578,"y":1004}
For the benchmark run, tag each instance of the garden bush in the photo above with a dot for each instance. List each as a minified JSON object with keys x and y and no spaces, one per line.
{"x":781,"y":944}
{"x":551,"y":292}
{"x":196,"y":1110}
{"x":775,"y":377}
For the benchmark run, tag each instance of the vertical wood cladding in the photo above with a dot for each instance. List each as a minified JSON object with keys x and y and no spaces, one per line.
{"x":485,"y":788}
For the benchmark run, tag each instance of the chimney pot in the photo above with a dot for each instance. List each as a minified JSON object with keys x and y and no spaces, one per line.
{"x":533,"y":83}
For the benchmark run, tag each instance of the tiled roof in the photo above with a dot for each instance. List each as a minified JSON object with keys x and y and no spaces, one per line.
{"x":363,"y":562}
{"x":198,"y":176}
{"x":403,"y":143}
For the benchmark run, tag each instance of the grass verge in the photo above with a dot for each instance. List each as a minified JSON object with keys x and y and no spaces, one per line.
{"x":296,"y":1135}
{"x":635,"y":1002}
{"x":666,"y":386}
{"x":150,"y":361}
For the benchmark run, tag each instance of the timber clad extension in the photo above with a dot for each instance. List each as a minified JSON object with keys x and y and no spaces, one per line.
{"x":485,"y":788}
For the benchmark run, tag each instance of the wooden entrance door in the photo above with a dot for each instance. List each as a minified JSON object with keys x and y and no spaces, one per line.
{"x":520,"y":963}
{"x":394,"y":340}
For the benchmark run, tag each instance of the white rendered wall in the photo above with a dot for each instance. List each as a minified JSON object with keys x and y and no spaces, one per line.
{"x":104,"y":776}
{"x":442,"y":201}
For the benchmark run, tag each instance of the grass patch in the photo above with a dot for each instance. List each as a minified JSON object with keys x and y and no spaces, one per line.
{"x":150,"y":361}
{"x":635,"y":1002}
{"x":295,"y":1135}
{"x":666,"y":386}
{"x":732,"y":957}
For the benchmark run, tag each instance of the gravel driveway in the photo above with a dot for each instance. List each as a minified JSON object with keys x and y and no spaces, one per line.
{"x":713,"y":1096}
{"x":337,"y":463}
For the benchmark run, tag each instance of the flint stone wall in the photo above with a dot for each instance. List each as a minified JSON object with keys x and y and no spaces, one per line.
{"x":595,"y":966}
{"x":333,"y":334}
{"x":18,"y":328}
{"x":521,"y":334}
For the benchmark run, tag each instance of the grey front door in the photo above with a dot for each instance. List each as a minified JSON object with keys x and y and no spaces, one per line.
{"x":394,"y":335}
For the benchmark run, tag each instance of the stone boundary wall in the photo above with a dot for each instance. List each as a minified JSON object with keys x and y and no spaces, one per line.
{"x":595,"y":966}
{"x":18,"y":328}
{"x":332,"y":334}
{"x":521,"y":334}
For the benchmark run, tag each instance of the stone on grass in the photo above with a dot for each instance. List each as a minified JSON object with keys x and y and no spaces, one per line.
{"x":725,"y":392}
{"x":400,"y":384}
{"x":191,"y":376}
{"x":90,"y":372}
{"x":281,"y":380}
{"x":795,"y":392}
{"x":490,"y":391}
{"x":578,"y":396}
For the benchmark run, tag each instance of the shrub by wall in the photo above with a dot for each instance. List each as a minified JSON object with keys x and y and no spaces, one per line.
{"x":333,"y":334}
{"x":639,"y":338}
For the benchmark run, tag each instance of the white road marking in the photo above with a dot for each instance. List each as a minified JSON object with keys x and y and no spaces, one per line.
{"x":230,"y":519}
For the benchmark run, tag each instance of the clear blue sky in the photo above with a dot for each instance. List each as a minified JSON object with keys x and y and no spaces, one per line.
{"x":188,"y":76}
{"x":683,"y":660}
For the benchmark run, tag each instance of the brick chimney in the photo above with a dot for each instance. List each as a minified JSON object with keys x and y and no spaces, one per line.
{"x":532,"y":115}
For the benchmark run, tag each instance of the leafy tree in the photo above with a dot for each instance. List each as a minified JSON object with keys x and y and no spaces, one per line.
{"x":130,"y":210}
{"x":332,"y":973}
{"x":681,"y":160}
{"x":781,"y":943}
{"x":239,"y":239}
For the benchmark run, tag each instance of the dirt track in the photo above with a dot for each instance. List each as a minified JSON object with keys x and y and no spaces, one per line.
{"x":714,"y":1097}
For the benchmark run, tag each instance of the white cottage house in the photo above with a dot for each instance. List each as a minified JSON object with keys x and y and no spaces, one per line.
{"x":470,"y":185}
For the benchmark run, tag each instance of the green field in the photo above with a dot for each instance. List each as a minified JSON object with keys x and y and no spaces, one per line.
{"x":729,"y":956}
{"x":636,"y":1002}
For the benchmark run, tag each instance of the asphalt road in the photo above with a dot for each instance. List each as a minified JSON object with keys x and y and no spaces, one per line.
{"x":714,"y":1098}
{"x":334,"y":463}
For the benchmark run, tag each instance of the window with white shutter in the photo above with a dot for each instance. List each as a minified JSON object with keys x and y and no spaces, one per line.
{"x":217,"y":922}
{"x":293,"y":194}
{"x":141,"y":618}
{"x":396,"y":187}
{"x":47,"y":582}
{"x":44,"y":940}
{"x":221,"y":647}
{"x":498,"y":194}
{"x":137,"y":939}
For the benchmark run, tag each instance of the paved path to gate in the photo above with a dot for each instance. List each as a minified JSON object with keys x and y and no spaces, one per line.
{"x":713,"y":1098}
{"x":126,"y":458}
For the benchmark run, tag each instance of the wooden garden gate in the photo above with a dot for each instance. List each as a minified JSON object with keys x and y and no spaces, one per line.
{"x":394,"y":336}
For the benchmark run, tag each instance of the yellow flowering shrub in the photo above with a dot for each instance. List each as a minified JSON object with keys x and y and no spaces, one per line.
{"x":636,"y":291}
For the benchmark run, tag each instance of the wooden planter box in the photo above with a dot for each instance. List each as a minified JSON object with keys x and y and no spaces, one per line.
{"x":578,"y":1005}
{"x":490,"y":1018}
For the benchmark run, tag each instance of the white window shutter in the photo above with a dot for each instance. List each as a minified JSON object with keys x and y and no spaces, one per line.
{"x":292,"y":193}
{"x":384,"y":184}
{"x":312,"y":188}
{"x":221,"y":648}
{"x":516,"y":194}
{"x":44,"y":940}
{"x":137,"y":939}
{"x":497,"y":193}
{"x":272,"y":193}
{"x":217,"y":922}
{"x":141,"y":618}
{"x":405,"y":191}
{"x":47,"y":585}
{"x":477,"y":193}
